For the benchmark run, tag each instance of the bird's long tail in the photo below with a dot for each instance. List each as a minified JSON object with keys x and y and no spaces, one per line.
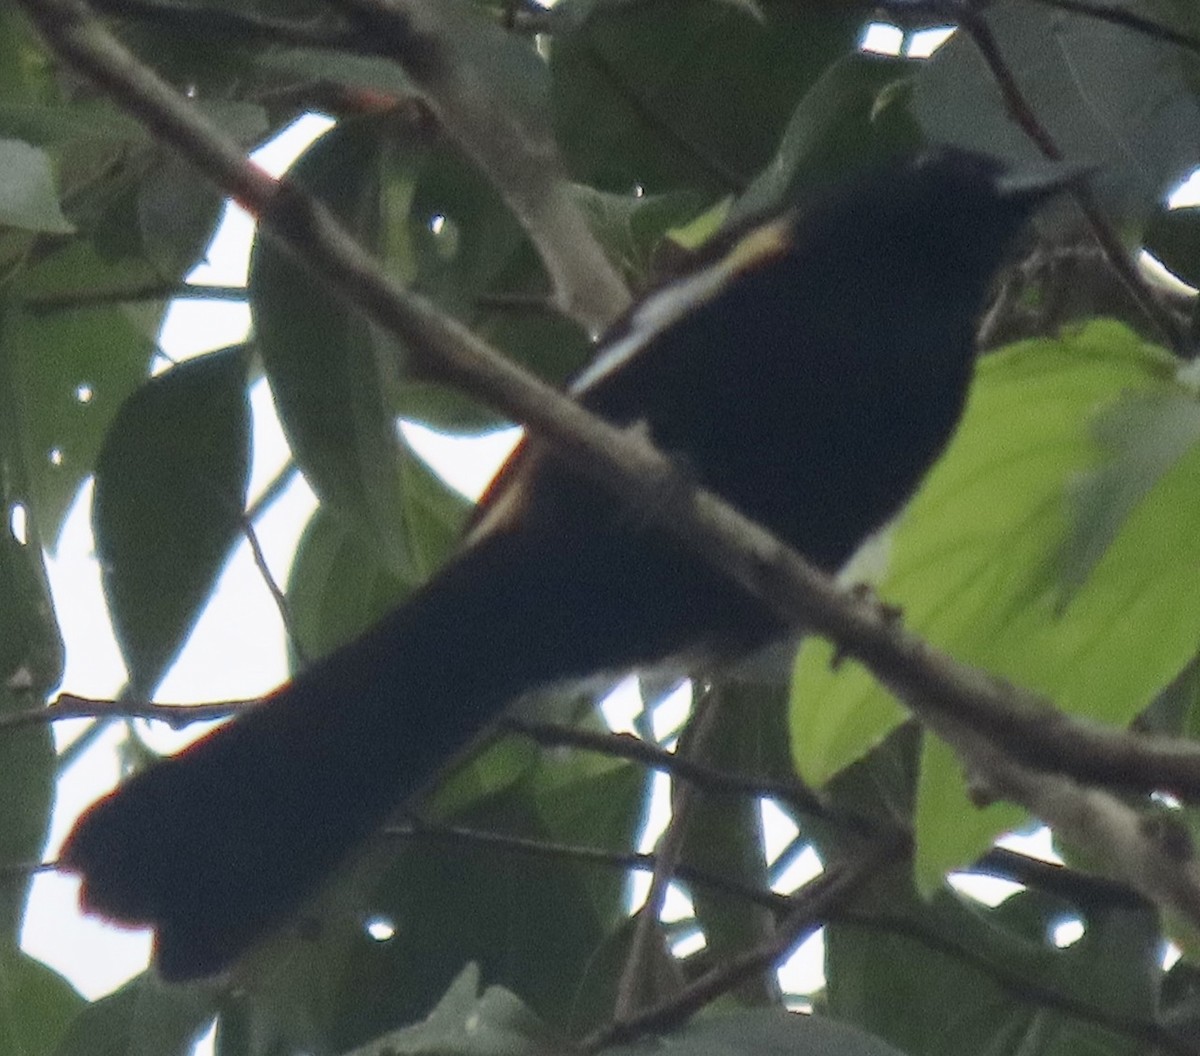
{"x":219,"y":843}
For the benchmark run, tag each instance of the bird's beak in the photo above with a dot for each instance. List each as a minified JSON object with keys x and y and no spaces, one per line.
{"x":1044,"y":179}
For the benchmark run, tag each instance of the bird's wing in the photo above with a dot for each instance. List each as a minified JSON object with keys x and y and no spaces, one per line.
{"x":505,"y":500}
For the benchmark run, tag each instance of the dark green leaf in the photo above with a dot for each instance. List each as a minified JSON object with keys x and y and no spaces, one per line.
{"x":468,"y":1022}
{"x":835,"y":129}
{"x":339,"y":585}
{"x":36,"y":1006}
{"x":1102,"y":93}
{"x":767,"y":1032}
{"x":724,"y":833}
{"x":632,"y":228}
{"x":144,"y":1016}
{"x":170,"y":490}
{"x":70,"y":372}
{"x":636,"y":102}
{"x":339,"y":383}
{"x":961,"y":990}
{"x":31,"y":664}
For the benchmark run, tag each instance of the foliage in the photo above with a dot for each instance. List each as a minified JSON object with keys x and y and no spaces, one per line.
{"x":1054,"y":545}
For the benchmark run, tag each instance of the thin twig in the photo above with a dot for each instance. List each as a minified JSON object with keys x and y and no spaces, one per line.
{"x":68,"y":300}
{"x":622,"y":745}
{"x":177,"y":716}
{"x":16,"y":872}
{"x":1081,"y":889}
{"x":811,"y":905}
{"x":637,"y":972}
{"x":273,"y":588}
{"x":1140,"y":850}
{"x":278,"y":485}
{"x":627,"y":860}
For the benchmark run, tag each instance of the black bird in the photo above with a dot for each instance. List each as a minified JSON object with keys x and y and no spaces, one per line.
{"x":809,"y":376}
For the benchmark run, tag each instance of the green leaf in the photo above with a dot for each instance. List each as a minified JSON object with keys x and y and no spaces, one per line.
{"x":170,"y":490}
{"x":27,"y":72}
{"x":833,"y":130}
{"x":36,"y":1006}
{"x":31,"y":662}
{"x":31,"y":659}
{"x":381,"y":77}
{"x":973,"y":974}
{"x":320,"y":357}
{"x":177,"y":211}
{"x":1102,"y":94}
{"x":980,"y":563}
{"x":177,"y":207}
{"x":632,"y":228}
{"x":469,"y":1022}
{"x":1144,"y":436}
{"x":339,"y":382}
{"x":28,"y":197}
{"x":339,"y":585}
{"x":636,"y":103}
{"x":145,"y":1017}
{"x":70,"y":373}
{"x":766,"y":1032}
{"x":724,"y":834}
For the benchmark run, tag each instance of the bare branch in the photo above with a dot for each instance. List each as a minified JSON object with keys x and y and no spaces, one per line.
{"x":69,"y":300}
{"x":69,"y":706}
{"x":423,"y":829}
{"x":625,"y":746}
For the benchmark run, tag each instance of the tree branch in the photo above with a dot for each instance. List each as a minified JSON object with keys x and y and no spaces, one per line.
{"x":177,"y":716}
{"x":1152,"y":856}
{"x":70,"y":300}
{"x":422,"y":829}
{"x":625,"y":746}
{"x":464,"y":79}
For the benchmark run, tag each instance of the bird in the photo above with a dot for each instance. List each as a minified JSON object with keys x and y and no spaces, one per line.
{"x":809,"y":373}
